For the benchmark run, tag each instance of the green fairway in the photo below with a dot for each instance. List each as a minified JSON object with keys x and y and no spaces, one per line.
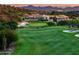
{"x":37,"y":24}
{"x":48,"y":40}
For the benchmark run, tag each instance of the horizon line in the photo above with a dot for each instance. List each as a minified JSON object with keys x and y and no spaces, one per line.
{"x":58,"y":5}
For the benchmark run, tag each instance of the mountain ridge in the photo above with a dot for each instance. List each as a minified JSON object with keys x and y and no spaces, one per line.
{"x":51,"y":8}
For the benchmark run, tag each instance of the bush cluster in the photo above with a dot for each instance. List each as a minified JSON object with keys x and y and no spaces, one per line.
{"x":51,"y":23}
{"x":70,"y":23}
{"x":7,"y":34}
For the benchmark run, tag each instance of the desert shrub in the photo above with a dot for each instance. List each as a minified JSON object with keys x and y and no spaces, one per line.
{"x":51,"y":23}
{"x":73,"y":23}
{"x":9,"y":36}
{"x":10,"y":25}
{"x":42,"y":19}
{"x":62,"y":22}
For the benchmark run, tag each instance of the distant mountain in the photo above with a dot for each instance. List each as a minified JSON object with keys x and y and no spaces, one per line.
{"x":51,"y":8}
{"x":76,"y":8}
{"x":41,"y":7}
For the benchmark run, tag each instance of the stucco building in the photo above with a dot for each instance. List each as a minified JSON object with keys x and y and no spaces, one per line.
{"x":58,"y":17}
{"x":35,"y":17}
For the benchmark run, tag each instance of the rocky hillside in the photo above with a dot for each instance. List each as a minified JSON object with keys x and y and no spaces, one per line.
{"x":8,"y":12}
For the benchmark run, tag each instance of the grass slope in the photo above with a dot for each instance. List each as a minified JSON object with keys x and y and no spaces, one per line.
{"x":46,"y":41}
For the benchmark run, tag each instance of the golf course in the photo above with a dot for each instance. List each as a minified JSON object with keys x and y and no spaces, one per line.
{"x":36,"y":39}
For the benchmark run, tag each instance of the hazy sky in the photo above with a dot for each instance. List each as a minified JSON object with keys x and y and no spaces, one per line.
{"x":59,"y":5}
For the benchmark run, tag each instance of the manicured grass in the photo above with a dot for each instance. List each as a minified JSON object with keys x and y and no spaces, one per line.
{"x":37,"y":24}
{"x":46,"y":41}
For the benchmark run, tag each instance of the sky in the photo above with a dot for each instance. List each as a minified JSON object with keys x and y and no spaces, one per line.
{"x":58,"y":5}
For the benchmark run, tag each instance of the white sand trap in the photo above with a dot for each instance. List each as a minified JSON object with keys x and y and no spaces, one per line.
{"x":71,"y":31}
{"x":77,"y":35}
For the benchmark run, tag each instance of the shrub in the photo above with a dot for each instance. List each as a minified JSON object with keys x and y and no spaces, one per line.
{"x":7,"y":37}
{"x":42,"y":19}
{"x":12,"y":25}
{"x":51,"y":23}
{"x":62,"y":22}
{"x":7,"y":34}
{"x":9,"y":25}
{"x":73,"y":23}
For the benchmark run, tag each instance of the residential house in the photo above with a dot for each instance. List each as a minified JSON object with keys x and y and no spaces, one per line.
{"x":36,"y":17}
{"x":58,"y":17}
{"x":32,"y":17}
